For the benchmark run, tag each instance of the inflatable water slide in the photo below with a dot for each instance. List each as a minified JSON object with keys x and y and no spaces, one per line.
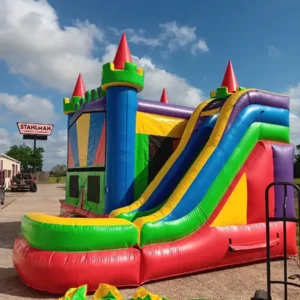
{"x":156,"y":190}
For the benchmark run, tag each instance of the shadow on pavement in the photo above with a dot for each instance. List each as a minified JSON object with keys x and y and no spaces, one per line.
{"x":11,"y":285}
{"x":8,"y":232}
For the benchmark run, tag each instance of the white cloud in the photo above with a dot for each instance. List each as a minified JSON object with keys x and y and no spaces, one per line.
{"x":200,"y":46}
{"x":35,"y":46}
{"x":178,"y":36}
{"x":28,"y":108}
{"x":5,"y":141}
{"x":173,"y":36}
{"x":178,"y":89}
{"x":137,"y":36}
{"x":274,"y":52}
{"x":54,"y":56}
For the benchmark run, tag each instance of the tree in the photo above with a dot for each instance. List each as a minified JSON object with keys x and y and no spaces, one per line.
{"x":59,"y":171}
{"x":297,"y":163}
{"x":27,"y":157}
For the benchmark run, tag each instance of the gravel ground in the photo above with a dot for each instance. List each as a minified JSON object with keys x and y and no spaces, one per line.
{"x":231,"y":284}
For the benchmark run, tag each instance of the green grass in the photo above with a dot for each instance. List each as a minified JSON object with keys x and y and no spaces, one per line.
{"x":53,"y":180}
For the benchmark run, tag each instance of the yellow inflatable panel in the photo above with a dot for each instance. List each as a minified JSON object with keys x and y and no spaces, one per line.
{"x":234,"y":212}
{"x":153,"y":124}
{"x":83,"y":128}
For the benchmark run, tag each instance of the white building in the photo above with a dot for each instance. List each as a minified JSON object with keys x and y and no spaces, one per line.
{"x":10,"y":166}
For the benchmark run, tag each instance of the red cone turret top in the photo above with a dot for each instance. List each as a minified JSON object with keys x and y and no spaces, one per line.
{"x":79,"y":90}
{"x":123,"y":53}
{"x":229,"y":79}
{"x":164,"y":97}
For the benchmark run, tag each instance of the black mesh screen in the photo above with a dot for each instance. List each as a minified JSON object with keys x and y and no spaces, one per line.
{"x":160,"y":149}
{"x":74,"y":186}
{"x":93,"y":192}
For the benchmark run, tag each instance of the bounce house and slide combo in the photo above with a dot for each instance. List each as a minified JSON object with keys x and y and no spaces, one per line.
{"x":156,"y":190}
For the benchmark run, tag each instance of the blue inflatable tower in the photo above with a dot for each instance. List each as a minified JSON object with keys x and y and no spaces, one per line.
{"x":121,"y":81}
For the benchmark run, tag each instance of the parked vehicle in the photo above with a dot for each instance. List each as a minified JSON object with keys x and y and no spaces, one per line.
{"x":23,"y":181}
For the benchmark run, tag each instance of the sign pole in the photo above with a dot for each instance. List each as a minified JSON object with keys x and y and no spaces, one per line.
{"x":34,"y":151}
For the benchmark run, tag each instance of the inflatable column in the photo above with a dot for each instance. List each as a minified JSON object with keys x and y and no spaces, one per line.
{"x":121,"y":81}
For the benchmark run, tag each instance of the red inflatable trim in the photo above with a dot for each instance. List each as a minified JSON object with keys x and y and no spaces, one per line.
{"x":56,"y":272}
{"x":208,"y":249}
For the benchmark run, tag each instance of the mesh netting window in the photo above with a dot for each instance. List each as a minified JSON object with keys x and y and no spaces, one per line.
{"x":160,"y":149}
{"x":74,"y":186}
{"x":93,"y":189}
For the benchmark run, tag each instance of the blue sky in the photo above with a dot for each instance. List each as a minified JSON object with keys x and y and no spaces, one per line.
{"x":183,"y":46}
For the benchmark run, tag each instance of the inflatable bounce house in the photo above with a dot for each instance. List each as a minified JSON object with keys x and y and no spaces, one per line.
{"x":156,"y":190}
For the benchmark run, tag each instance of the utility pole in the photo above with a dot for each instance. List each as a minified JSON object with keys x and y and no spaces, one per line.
{"x":34,"y":151}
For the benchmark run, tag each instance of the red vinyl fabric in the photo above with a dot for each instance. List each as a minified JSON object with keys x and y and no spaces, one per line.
{"x":206,"y":249}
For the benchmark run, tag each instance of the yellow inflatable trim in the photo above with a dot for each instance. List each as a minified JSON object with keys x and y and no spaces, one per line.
{"x":47,"y":219}
{"x":198,"y":164}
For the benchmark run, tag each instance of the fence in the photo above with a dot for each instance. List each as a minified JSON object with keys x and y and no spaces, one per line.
{"x":42,"y":176}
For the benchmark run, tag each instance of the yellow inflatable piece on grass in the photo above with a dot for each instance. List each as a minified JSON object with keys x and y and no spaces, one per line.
{"x":142,"y":293}
{"x":108,"y":292}
{"x":75,"y":293}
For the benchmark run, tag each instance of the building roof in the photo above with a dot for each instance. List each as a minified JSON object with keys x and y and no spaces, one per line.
{"x":10,"y":158}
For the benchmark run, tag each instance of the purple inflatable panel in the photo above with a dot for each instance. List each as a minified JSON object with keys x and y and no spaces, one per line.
{"x":155,"y":107}
{"x":91,"y":106}
{"x":257,"y":97}
{"x":283,"y":157}
{"x":148,"y":106}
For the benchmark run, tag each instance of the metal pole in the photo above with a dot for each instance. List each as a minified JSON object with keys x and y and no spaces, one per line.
{"x":285,"y":245}
{"x":268,"y":242}
{"x":34,"y":150}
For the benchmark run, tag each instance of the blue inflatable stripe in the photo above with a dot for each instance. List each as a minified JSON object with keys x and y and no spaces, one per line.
{"x":74,"y":143}
{"x":181,"y":165}
{"x":198,"y":189}
{"x":96,"y":125}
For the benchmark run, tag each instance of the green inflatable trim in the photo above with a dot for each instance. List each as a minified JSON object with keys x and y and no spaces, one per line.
{"x":159,"y":232}
{"x":130,"y":75}
{"x":132,"y":215}
{"x":70,"y":238}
